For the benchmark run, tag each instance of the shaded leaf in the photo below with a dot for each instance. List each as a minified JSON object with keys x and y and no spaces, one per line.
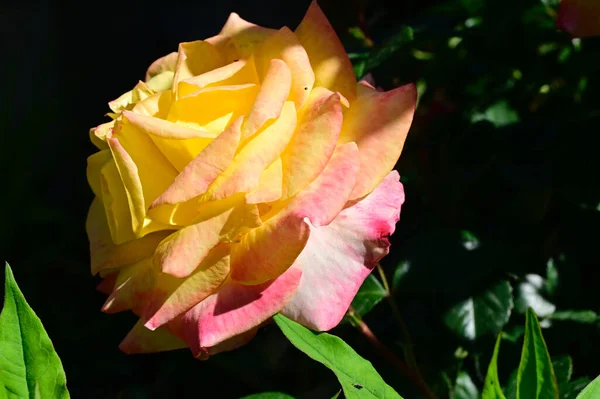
{"x":535,"y":378}
{"x":401,"y":270}
{"x":491,"y":387}
{"x":529,"y":296}
{"x":485,"y":313}
{"x":574,"y":388}
{"x":371,"y":292}
{"x":551,"y":277}
{"x":563,"y":369}
{"x":358,"y":377}
{"x":268,"y":395}
{"x":592,"y":391}
{"x":29,"y":365}
{"x":580,"y":316}
{"x":500,"y":114}
{"x":389,"y":47}
{"x":464,"y":387}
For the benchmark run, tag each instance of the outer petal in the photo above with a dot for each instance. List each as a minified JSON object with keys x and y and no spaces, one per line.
{"x":106,"y":255}
{"x":581,"y":18}
{"x":182,"y":252}
{"x":378,"y":122}
{"x":284,"y":45}
{"x":172,"y":297}
{"x":325,"y":197}
{"x":95,"y":163}
{"x":269,"y":102}
{"x":116,"y":205}
{"x":338,"y":257}
{"x":270,"y":185}
{"x":132,"y":289}
{"x":142,"y":340}
{"x":269,"y":250}
{"x":314,"y":141}
{"x":163,"y":64}
{"x":332,"y":67}
{"x":236,"y":309}
{"x":235,"y":73}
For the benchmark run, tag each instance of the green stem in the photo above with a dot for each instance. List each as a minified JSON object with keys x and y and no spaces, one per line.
{"x":389,"y":356}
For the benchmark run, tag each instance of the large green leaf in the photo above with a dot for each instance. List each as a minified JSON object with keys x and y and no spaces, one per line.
{"x":485,"y":313}
{"x":371,"y":292}
{"x":592,"y":391}
{"x":29,"y":365}
{"x":535,"y":378}
{"x":491,"y":387}
{"x":358,"y":377}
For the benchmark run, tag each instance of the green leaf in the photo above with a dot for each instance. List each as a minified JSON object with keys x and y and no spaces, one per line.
{"x":529,"y":295}
{"x":500,"y":114}
{"x":358,"y":377}
{"x":563,"y":369}
{"x":371,"y":292}
{"x":389,"y":47}
{"x":491,"y":387}
{"x":268,"y":395}
{"x":592,"y":391}
{"x":401,"y":270}
{"x":464,"y":387}
{"x":535,"y":378}
{"x":580,"y":316}
{"x":574,"y":388}
{"x":337,"y":394}
{"x":29,"y":366}
{"x":551,"y":277}
{"x":485,"y":313}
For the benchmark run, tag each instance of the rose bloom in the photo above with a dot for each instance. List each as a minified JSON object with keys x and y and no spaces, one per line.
{"x":249,"y":174}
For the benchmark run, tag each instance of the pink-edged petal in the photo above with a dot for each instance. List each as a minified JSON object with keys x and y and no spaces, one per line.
{"x":106,"y":255}
{"x":107,"y":285}
{"x":196,"y":58}
{"x":171,"y":297}
{"x":270,"y":249}
{"x":269,"y":102}
{"x":132,"y":289}
{"x":244,"y":173}
{"x":245,"y":35}
{"x":314,"y":141}
{"x":581,"y":18}
{"x":339,"y":256}
{"x":181,"y":253}
{"x":332,"y":67}
{"x":325,"y":197}
{"x":142,"y":340}
{"x":236,"y":309}
{"x":378,"y":122}
{"x":163,"y":64}
{"x":270,"y":185}
{"x":284,"y":45}
{"x":195,"y":178}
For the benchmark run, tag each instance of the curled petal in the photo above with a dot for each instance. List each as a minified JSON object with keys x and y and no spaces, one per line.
{"x":172,"y":296}
{"x":235,"y":73}
{"x":132,"y":289}
{"x":95,"y":163}
{"x":284,"y":45}
{"x":163,"y":64}
{"x":195,"y":58}
{"x":105,"y":255}
{"x":314,"y":141}
{"x":236,"y":309}
{"x":116,"y":205}
{"x":269,"y":186}
{"x":331,"y":65}
{"x":269,"y":102}
{"x":339,"y":256}
{"x":245,"y":35}
{"x":378,"y":123}
{"x":142,"y":340}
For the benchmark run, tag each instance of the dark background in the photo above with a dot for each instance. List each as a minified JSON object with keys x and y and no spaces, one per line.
{"x":491,"y":154}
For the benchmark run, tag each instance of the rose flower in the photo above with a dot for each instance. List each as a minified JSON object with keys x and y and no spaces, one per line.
{"x":249,"y":174}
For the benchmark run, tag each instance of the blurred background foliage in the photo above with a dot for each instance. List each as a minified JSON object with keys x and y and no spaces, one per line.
{"x":500,"y":171}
